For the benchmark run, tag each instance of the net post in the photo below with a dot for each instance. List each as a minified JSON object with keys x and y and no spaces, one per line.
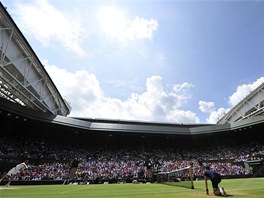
{"x":191,"y":175}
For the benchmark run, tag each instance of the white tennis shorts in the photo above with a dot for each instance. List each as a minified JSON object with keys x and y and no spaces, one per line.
{"x":12,"y":172}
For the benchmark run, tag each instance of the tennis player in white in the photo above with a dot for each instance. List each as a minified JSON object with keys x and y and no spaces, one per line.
{"x":14,"y":171}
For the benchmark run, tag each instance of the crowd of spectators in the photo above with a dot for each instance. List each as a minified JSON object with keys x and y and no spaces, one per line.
{"x":50,"y":160}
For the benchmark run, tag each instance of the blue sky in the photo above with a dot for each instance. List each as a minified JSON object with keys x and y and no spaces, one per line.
{"x":161,"y":61}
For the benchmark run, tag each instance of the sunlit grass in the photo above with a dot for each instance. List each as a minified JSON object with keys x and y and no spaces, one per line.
{"x":252,"y":188}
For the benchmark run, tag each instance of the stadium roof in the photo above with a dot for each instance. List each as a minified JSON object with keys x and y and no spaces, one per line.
{"x":23,"y":79}
{"x":15,"y":111}
{"x":252,"y":105}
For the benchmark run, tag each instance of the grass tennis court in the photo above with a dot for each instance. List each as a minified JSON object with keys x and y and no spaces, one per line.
{"x":251,"y":188}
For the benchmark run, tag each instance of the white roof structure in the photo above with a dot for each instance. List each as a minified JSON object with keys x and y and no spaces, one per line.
{"x":252,"y":105}
{"x":23,"y":78}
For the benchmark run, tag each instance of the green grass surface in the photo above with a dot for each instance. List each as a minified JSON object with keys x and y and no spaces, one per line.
{"x":252,"y":188}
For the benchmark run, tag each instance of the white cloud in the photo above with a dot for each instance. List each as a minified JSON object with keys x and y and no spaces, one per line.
{"x":206,"y":107}
{"x":141,"y":28}
{"x":48,"y":25}
{"x":82,"y":90}
{"x":244,"y":90}
{"x":116,"y":25}
{"x":51,"y":26}
{"x":209,"y":107}
{"x":216,"y":115}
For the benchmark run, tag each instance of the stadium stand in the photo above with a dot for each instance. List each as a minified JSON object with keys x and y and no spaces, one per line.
{"x":108,"y":162}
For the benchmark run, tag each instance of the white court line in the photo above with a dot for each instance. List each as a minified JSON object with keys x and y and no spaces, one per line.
{"x":6,"y":188}
{"x":78,"y":189}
